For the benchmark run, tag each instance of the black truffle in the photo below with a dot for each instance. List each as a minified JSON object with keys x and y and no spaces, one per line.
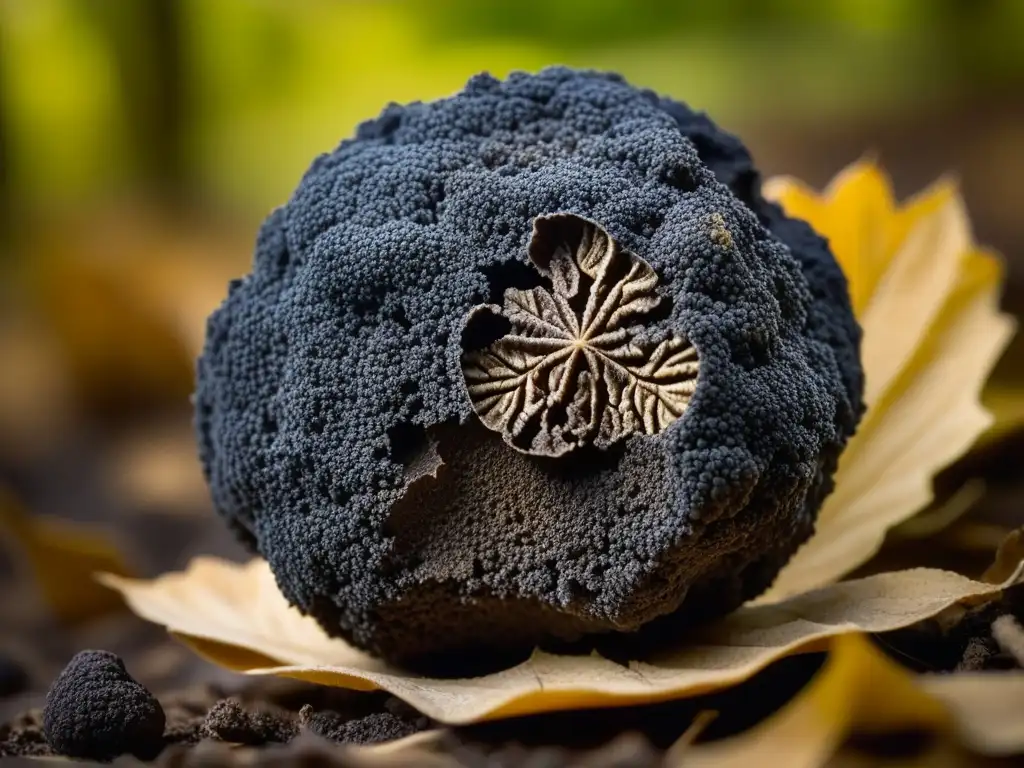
{"x":334,"y":411}
{"x":96,"y":711}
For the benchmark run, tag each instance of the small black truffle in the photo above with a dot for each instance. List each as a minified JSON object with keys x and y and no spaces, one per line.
{"x":95,"y":710}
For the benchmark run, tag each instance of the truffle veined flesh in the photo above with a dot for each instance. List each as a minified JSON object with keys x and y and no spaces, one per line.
{"x":572,"y":371}
{"x":533,"y":362}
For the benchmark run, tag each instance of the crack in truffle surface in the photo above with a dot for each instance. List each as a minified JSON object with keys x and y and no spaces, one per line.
{"x":574,"y":370}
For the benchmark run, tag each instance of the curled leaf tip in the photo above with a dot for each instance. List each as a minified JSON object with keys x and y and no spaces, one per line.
{"x":926,"y":296}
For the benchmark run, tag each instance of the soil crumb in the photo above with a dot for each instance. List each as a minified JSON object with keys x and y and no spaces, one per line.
{"x":371,"y":729}
{"x":23,"y":737}
{"x":229,"y":721}
{"x":207,"y":726}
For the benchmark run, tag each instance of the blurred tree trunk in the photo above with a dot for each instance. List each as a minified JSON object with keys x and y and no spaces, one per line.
{"x":6,"y":193}
{"x":147,"y":41}
{"x":964,"y":31}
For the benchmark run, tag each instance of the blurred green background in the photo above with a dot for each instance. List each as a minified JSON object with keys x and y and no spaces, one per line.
{"x":219,"y":105}
{"x":142,"y":141}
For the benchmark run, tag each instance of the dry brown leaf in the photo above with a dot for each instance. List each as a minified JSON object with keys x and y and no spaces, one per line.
{"x":35,"y":400}
{"x":113,"y":345}
{"x":124,"y":296}
{"x":1008,"y":556}
{"x":859,"y":690}
{"x":235,"y":616}
{"x":157,"y":465}
{"x":986,"y":708}
{"x":64,"y":558}
{"x":927,"y":298}
{"x":1006,"y":404}
{"x":1005,"y":565}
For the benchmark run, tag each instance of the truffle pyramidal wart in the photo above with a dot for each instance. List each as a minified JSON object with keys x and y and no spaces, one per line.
{"x":534,"y":362}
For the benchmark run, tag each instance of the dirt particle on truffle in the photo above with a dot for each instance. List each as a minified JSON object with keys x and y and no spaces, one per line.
{"x":720,"y":236}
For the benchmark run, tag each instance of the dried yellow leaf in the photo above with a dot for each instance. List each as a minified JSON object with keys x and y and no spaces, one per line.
{"x":927,"y":299}
{"x":986,"y":708}
{"x":124,"y":298}
{"x":1009,"y":554}
{"x":235,"y":616}
{"x":1005,"y":565}
{"x":1006,"y":404}
{"x":859,"y":690}
{"x":63,"y":558}
{"x":859,"y":215}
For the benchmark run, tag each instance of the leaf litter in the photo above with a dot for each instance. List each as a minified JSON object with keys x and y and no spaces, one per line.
{"x":924,"y":411}
{"x":234,"y":616}
{"x":928,"y":300}
{"x":63,"y":557}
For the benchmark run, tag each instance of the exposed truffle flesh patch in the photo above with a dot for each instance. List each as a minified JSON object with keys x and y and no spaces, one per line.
{"x":574,"y":370}
{"x":415,"y":450}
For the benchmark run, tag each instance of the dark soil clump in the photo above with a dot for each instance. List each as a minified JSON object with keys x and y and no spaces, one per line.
{"x":229,"y":721}
{"x":203,"y":721}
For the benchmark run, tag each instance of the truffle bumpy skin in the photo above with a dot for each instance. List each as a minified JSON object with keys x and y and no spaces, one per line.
{"x":95,"y":710}
{"x":341,"y":444}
